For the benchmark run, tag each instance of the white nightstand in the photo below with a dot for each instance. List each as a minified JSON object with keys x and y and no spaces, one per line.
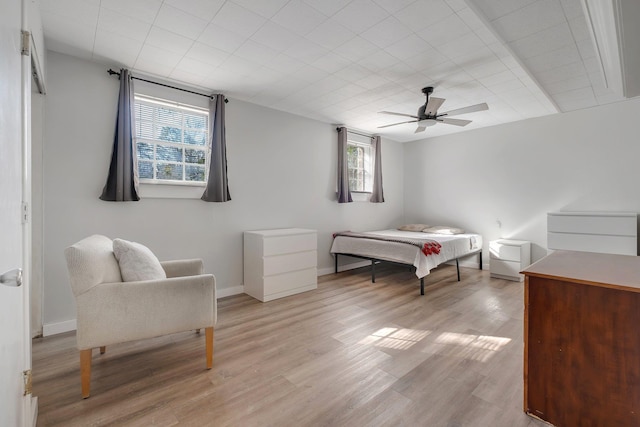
{"x":279,"y":263}
{"x":508,"y":258}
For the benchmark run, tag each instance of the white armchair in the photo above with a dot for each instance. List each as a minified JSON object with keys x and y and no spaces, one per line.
{"x":111,"y":311}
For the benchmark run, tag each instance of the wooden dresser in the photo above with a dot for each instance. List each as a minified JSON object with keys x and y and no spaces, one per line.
{"x":582,"y":339}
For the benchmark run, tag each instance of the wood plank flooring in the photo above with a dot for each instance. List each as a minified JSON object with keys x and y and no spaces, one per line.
{"x":350,"y":353}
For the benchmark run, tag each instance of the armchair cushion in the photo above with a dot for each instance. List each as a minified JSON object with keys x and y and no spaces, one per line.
{"x":91,"y":262}
{"x":137,"y":262}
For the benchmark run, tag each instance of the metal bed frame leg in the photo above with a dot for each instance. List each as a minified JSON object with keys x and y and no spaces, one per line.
{"x":373,"y":271}
{"x":422,"y":286}
{"x":480,"y":260}
{"x":458,"y":269}
{"x":336,"y":260}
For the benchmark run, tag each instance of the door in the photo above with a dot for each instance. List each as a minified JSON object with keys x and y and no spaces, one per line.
{"x":14,"y":343}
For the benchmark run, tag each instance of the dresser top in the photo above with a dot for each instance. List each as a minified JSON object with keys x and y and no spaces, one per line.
{"x":282,"y":232}
{"x":607,"y":270}
{"x":586,"y":213}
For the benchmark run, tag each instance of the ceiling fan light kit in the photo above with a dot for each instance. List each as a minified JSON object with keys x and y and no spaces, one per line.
{"x":428,"y":113}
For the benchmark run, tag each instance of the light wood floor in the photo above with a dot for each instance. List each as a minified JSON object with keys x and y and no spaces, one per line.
{"x":350,"y":353}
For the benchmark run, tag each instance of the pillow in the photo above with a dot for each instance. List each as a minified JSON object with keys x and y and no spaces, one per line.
{"x":443,"y":229}
{"x":412,"y":227}
{"x":137,"y":262}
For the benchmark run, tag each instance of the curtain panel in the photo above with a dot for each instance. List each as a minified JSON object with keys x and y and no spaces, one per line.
{"x":122,"y":180}
{"x":344,"y":194}
{"x":377,"y":195}
{"x":217,"y":189}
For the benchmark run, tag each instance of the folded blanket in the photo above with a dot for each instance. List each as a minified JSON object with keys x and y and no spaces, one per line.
{"x":427,"y":246}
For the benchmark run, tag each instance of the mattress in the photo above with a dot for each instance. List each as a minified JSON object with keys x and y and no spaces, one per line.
{"x":453,"y":246}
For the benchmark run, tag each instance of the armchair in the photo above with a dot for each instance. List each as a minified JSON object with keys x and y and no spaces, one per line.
{"x":112,"y":311}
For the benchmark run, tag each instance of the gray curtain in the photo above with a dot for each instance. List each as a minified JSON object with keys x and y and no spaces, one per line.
{"x":377,"y":195}
{"x":122,"y":181}
{"x":344,"y":194}
{"x":217,"y":185}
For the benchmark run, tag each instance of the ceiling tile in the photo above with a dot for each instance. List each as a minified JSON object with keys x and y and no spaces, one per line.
{"x":529,"y":20}
{"x":195,"y":67}
{"x":266,"y":8}
{"x":462,"y":46}
{"x":553,"y":59}
{"x":116,"y":23}
{"x":450,"y":28}
{"x":425,"y":60}
{"x":330,"y":34}
{"x":77,"y":37}
{"x":204,"y":9}
{"x":356,"y":48}
{"x":179,"y":22}
{"x":220,"y":38}
{"x":255,"y":52}
{"x":360,"y":15}
{"x":207,"y":54}
{"x":275,"y":36}
{"x":456,"y":5}
{"x":572,"y":8}
{"x":166,"y":40}
{"x":408,"y":47}
{"x":378,"y":61}
{"x":238,"y":20}
{"x":386,"y":33}
{"x":579,"y":28}
{"x":327,"y":7}
{"x":422,"y":14}
{"x":238,"y":66}
{"x":299,"y":17}
{"x":144,"y":10}
{"x":331,"y":63}
{"x":157,"y":61}
{"x":551,"y":39}
{"x":115,"y":47}
{"x":75,"y":11}
{"x":284,"y":63}
{"x":494,"y":9}
{"x":306,"y":51}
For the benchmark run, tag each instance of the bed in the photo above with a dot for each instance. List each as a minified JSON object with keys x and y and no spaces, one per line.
{"x":392,"y":246}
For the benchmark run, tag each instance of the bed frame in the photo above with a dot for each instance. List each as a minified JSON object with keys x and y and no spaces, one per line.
{"x":375,"y":261}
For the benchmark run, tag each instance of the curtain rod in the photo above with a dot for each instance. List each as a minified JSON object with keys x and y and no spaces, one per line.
{"x":111,"y":73}
{"x":357,"y":133}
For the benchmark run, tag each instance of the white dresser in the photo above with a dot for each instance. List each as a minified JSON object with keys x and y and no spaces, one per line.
{"x":603,"y":232}
{"x":508,"y":258}
{"x":279,"y":263}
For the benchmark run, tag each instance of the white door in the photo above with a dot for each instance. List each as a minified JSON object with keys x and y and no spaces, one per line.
{"x":14,"y":342}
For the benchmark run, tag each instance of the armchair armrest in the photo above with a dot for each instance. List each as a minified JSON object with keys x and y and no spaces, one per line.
{"x":183,"y":267}
{"x":111,"y":313}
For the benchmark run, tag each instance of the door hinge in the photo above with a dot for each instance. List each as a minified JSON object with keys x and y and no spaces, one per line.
{"x":26,"y":375}
{"x":26,"y":45}
{"x":24,"y":214}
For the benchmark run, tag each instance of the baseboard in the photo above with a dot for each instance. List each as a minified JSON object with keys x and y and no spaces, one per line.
{"x":58,"y":328}
{"x":227,"y":292}
{"x":345,"y":267}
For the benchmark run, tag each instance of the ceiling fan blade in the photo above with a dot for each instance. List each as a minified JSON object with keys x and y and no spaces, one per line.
{"x":398,"y":114}
{"x":394,"y":124}
{"x":420,"y":129}
{"x":465,"y":110}
{"x":457,"y":122}
{"x":433,"y":105}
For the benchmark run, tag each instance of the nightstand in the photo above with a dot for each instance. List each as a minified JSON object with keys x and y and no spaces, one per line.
{"x":508,"y":258}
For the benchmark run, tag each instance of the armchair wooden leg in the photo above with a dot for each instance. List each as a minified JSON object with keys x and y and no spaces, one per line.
{"x":85,"y":372}
{"x":209,"y":345}
{"x":103,"y":349}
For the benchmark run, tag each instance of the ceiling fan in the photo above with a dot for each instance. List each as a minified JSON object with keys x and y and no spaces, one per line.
{"x":428,"y":113}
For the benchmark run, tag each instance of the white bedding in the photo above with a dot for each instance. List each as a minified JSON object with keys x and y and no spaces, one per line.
{"x":453,"y":246}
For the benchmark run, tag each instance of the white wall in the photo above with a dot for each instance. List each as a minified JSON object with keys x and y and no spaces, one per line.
{"x":281,"y":174}
{"x":516,"y":173}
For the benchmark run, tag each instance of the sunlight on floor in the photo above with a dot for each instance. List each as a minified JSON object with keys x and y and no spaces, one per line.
{"x":396,"y":338}
{"x":469,"y":346}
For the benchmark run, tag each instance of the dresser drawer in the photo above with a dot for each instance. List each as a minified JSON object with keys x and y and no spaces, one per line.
{"x":505,"y":268}
{"x":504,"y":252}
{"x":289,"y":244}
{"x":290,"y":281}
{"x":278,"y":264}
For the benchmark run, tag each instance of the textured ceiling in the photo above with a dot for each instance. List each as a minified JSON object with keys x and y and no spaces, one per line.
{"x":343,"y":61}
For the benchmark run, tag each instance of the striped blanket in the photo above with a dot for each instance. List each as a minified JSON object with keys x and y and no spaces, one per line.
{"x":427,"y":246}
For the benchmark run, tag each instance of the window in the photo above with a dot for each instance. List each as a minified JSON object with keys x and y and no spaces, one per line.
{"x":360,"y":164}
{"x":171,"y":139}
